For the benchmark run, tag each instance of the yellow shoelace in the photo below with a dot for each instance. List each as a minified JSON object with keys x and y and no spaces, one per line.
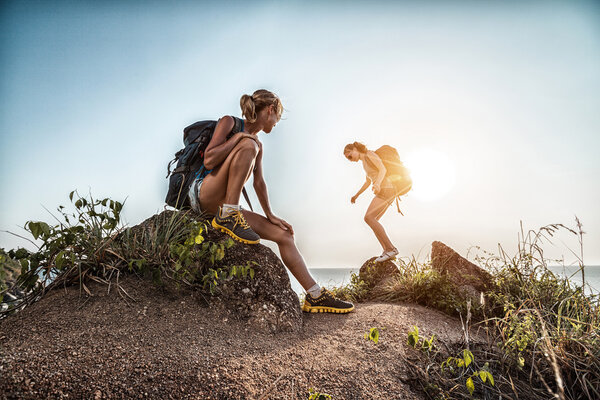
{"x":240,"y":220}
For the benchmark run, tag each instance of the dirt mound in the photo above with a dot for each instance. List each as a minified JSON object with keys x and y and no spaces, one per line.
{"x":167,"y":345}
{"x":266,"y":299}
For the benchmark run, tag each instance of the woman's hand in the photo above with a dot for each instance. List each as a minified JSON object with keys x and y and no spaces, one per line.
{"x":280,"y":223}
{"x":353,"y":199}
{"x":376,"y":188}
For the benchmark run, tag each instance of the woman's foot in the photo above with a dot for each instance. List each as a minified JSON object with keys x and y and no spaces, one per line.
{"x":387,"y":255}
{"x":234,"y":224}
{"x":326,"y":303}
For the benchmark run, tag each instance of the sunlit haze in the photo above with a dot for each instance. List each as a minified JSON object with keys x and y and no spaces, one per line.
{"x":492,"y":105}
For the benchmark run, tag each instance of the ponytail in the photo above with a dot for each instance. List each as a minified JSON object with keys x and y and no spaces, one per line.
{"x":356,"y":145}
{"x":248,"y":108}
{"x":260,"y":99}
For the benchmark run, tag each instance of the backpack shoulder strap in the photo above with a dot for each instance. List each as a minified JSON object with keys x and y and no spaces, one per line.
{"x":238,"y":125}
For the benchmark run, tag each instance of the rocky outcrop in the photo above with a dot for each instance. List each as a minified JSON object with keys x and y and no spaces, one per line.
{"x":375,"y":275}
{"x":458,"y":269}
{"x":470,"y":279}
{"x":266,"y":301}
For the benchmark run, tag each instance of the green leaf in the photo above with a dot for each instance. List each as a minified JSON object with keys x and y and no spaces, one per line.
{"x":375,"y":335}
{"x":21,"y":253}
{"x":483,"y":375}
{"x":34,"y":228}
{"x":251,"y":273}
{"x":45,"y":228}
{"x":78,"y":203}
{"x":71,"y":195}
{"x":491,"y":378}
{"x":468,"y":357}
{"x":470,"y":385}
{"x":521,"y":362}
{"x":198,"y":239}
{"x":60,"y":260}
{"x":412,"y":341}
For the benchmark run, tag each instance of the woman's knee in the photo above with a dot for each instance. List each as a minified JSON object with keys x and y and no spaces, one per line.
{"x":284,"y":238}
{"x":370,"y":219}
{"x":247,"y":145}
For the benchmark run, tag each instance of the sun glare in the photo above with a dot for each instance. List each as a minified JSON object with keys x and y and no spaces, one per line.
{"x":432,"y":173}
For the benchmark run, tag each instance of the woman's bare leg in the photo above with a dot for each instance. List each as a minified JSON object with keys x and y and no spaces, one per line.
{"x":290,"y":255}
{"x":376,"y":209}
{"x":224,"y":184}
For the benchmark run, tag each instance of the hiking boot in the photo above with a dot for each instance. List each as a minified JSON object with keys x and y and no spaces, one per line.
{"x":326,"y":303}
{"x":234,"y":224}
{"x":387,"y":255}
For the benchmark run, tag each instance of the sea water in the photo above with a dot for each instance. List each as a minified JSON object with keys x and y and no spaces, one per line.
{"x":329,"y":277}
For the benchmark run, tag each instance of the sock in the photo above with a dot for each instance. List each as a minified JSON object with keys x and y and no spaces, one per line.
{"x":227,"y":209}
{"x":314,"y":290}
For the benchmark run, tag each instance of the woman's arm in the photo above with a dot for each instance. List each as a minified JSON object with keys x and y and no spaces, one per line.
{"x":219,"y":147}
{"x":362,"y":189}
{"x":375,"y":160}
{"x":260,"y":187}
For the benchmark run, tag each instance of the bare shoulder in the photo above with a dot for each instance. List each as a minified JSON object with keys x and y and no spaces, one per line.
{"x":226,"y":122}
{"x":373,"y":157}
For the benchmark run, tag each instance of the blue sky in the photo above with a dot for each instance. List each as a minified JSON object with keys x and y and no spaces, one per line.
{"x":501,"y":98}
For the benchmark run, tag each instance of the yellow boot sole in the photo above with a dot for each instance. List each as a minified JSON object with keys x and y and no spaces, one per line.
{"x":230,"y":233}
{"x":307,"y":308}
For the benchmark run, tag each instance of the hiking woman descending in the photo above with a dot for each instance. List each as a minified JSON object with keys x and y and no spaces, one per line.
{"x":230,"y":158}
{"x":388,"y":184}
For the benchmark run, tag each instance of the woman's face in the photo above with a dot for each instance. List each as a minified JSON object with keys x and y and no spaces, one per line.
{"x":352,"y":155}
{"x":269,"y":117}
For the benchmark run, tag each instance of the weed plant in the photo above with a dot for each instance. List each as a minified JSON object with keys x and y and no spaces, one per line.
{"x":542,"y":330}
{"x":89,"y":243}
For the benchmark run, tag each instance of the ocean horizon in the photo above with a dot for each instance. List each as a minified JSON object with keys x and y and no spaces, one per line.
{"x":338,"y":276}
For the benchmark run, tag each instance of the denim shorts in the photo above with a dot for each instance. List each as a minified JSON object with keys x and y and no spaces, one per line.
{"x":386,"y":193}
{"x":193,"y":194}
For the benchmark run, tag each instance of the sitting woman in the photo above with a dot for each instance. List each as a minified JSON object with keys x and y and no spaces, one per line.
{"x":231,"y":158}
{"x":386,"y":188}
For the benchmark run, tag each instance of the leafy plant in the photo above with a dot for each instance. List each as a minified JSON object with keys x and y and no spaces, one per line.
{"x":462,"y":364}
{"x":89,"y":243}
{"x":415,"y":340}
{"x":373,"y":335}
{"x":315,"y":395}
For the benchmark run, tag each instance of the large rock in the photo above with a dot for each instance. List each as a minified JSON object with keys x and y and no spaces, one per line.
{"x":267,"y":301}
{"x":376,"y":274}
{"x":459,"y":270}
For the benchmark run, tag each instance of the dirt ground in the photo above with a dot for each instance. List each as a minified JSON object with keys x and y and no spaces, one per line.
{"x":168,"y":345}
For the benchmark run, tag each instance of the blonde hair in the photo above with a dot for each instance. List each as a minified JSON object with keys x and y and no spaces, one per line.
{"x":259,"y":100}
{"x":356,"y":145}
